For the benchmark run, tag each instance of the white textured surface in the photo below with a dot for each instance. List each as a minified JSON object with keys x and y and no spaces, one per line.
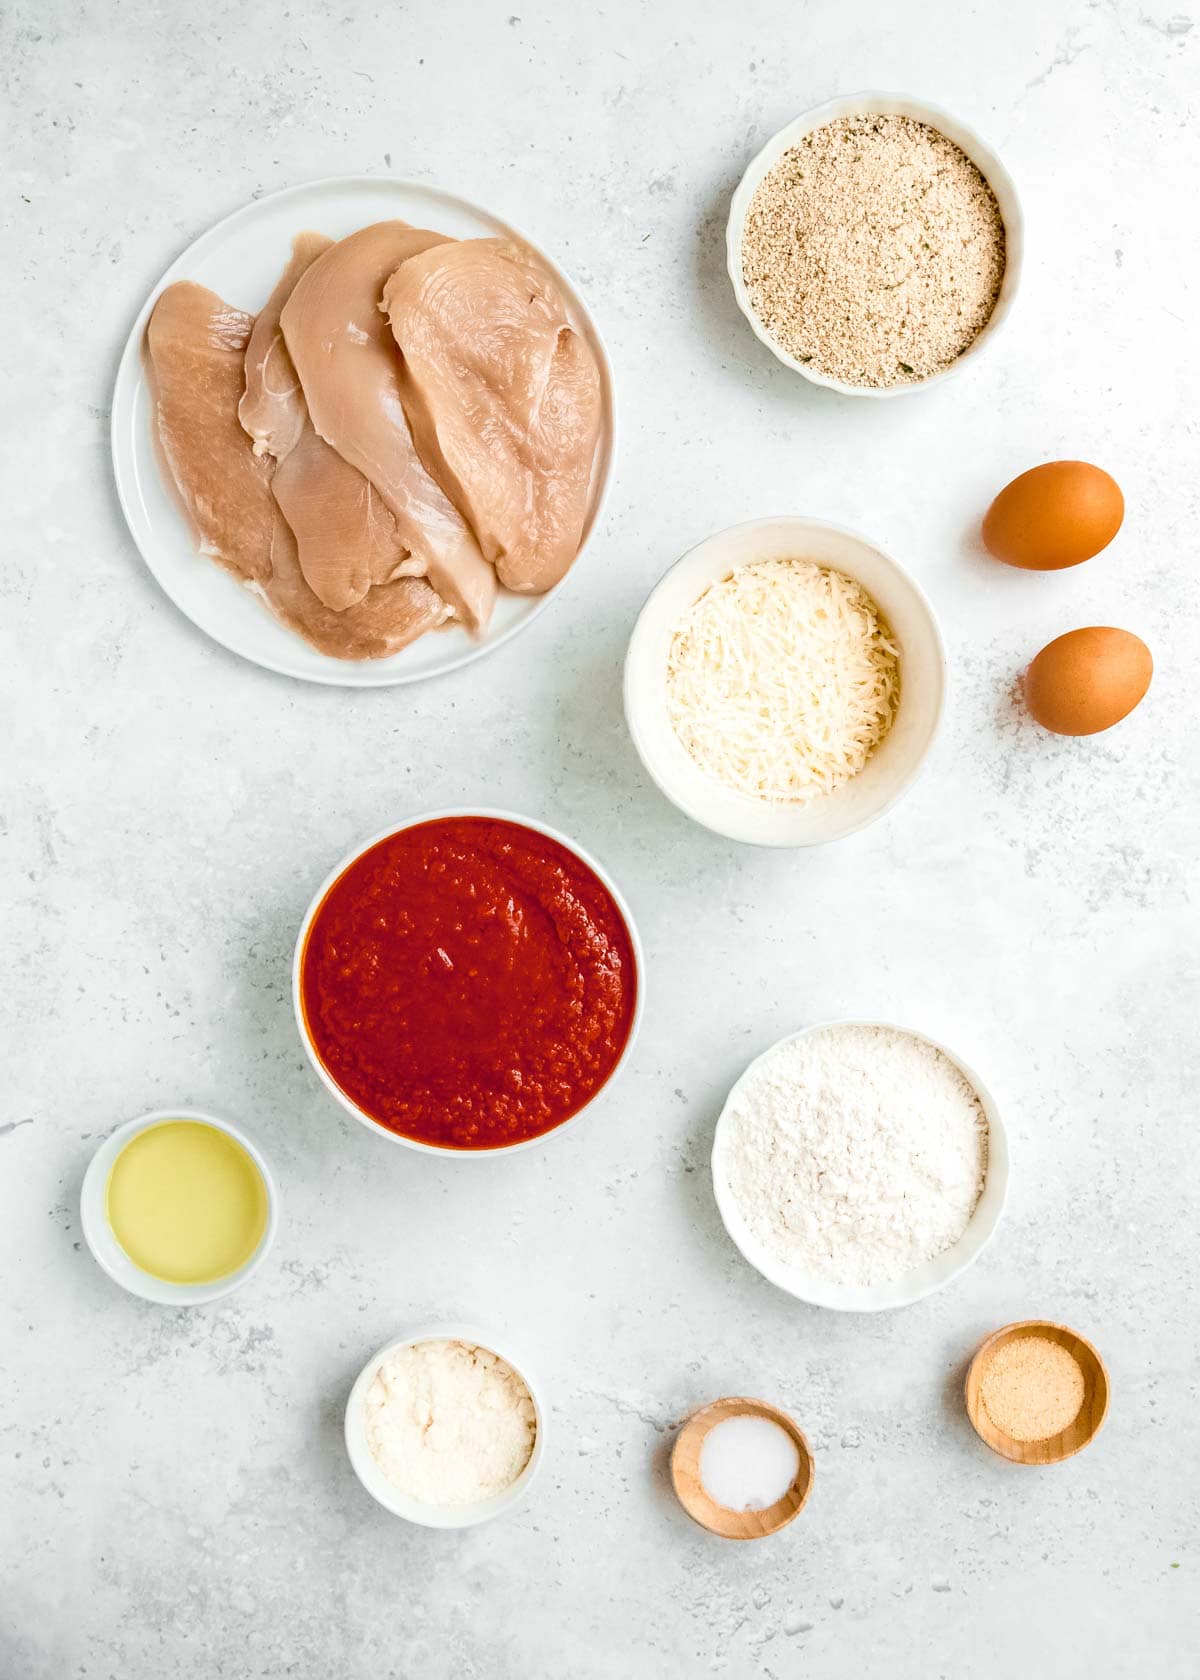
{"x":175,"y":1496}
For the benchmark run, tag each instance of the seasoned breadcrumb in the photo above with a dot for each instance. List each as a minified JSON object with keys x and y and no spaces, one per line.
{"x":874,"y":251}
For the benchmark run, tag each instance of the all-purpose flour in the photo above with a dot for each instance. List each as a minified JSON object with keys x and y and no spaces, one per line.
{"x":855,"y":1153}
{"x":449,"y":1423}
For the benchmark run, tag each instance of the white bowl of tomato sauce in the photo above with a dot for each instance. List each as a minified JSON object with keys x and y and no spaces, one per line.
{"x":468,"y":982}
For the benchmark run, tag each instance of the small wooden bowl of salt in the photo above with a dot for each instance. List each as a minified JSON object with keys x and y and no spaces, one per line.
{"x":741,"y":1468}
{"x":1037,"y":1392}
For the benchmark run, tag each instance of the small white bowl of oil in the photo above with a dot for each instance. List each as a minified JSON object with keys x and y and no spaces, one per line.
{"x":179,"y":1207}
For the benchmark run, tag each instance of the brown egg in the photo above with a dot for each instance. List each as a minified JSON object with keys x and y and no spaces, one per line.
{"x":1054,"y":516}
{"x":1088,"y":680}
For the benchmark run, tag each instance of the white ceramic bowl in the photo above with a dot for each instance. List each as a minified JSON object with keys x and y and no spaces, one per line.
{"x":390,"y":1497}
{"x":339,"y":869}
{"x":923,"y":1280}
{"x":871,"y":104}
{"x":890,"y":770}
{"x":112,"y":1258}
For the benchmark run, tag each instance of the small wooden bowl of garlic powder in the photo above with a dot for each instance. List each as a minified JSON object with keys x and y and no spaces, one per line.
{"x":444,"y":1430}
{"x":784,"y":682}
{"x":1037,"y":1392}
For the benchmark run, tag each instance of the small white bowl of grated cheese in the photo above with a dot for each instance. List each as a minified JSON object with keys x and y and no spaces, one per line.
{"x":444,"y":1430}
{"x":784,"y":682}
{"x":859,"y":1165}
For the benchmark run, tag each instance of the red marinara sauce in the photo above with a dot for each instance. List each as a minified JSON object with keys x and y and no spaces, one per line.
{"x":469,"y":982}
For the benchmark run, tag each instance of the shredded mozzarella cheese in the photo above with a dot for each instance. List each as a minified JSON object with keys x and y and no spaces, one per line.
{"x":782,"y":679}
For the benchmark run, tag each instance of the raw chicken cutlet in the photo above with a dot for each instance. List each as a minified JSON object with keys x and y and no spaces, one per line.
{"x":345,"y":537}
{"x":346,"y":540}
{"x":387,"y":619}
{"x":196,"y":344}
{"x":349,"y":370}
{"x":504,"y":400}
{"x":272,"y":408}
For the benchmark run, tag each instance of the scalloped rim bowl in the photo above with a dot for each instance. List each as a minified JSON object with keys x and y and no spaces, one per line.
{"x":923,"y":1280}
{"x":389,"y":1496}
{"x":871,"y":103}
{"x":339,"y":869}
{"x":894,"y":765}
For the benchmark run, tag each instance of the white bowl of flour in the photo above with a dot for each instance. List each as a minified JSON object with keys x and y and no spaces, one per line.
{"x":859,"y":1165}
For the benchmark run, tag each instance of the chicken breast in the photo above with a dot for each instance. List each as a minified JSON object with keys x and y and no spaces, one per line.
{"x":388,"y":617}
{"x":197,"y":344}
{"x":272,"y":407}
{"x":346,"y":540}
{"x":196,"y":347}
{"x":503,"y":398}
{"x":346,"y":358}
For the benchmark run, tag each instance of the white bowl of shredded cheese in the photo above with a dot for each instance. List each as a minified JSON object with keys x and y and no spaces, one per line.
{"x":443,"y":1429}
{"x":860,"y":1165}
{"x":762,"y":710}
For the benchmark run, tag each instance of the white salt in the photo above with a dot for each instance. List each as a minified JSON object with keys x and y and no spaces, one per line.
{"x":747,"y":1463}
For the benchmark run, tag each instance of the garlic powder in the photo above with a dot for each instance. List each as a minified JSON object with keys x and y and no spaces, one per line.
{"x":449,"y":1423}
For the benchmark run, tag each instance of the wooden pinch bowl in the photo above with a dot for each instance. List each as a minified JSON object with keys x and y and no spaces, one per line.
{"x":1077,"y":1434}
{"x":695,"y":1499}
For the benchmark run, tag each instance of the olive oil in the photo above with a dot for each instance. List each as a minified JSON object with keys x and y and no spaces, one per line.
{"x":186,"y":1202}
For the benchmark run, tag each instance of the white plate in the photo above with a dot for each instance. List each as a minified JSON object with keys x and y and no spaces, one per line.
{"x":923,"y":1280}
{"x":241,"y":259}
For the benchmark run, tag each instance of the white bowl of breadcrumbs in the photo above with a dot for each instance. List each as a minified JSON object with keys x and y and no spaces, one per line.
{"x":875,"y":244}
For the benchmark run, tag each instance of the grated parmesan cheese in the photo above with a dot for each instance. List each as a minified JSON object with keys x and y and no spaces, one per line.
{"x":782,"y":680}
{"x":449,"y":1423}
